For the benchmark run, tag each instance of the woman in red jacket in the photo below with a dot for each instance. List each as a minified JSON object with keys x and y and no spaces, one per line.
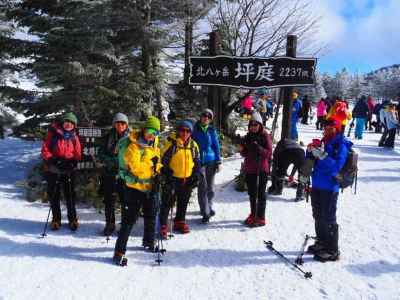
{"x":256,"y":150}
{"x":62,"y":150}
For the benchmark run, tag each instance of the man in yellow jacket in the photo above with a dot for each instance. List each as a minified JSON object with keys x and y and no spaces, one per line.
{"x":140,"y":158}
{"x":181,"y":167}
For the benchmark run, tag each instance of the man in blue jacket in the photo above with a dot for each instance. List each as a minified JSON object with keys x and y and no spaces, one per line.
{"x":296,"y":109}
{"x":330,"y":155}
{"x":206,"y":137}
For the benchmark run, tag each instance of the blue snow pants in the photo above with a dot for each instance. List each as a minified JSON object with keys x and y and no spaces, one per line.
{"x":360,"y":125}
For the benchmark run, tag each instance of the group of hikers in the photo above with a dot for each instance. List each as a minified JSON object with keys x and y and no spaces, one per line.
{"x":365,"y":115}
{"x":135,"y":165}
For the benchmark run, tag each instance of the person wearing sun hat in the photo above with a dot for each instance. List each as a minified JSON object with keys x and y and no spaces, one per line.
{"x":112,"y":185}
{"x":181,"y":168}
{"x":256,"y":148}
{"x":210,"y":155}
{"x":61,"y":151}
{"x":142,"y":158}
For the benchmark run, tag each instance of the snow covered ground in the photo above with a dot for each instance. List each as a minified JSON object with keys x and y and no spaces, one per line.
{"x":222,"y":260}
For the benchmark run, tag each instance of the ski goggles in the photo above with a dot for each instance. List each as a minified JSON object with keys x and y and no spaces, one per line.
{"x":152,"y":131}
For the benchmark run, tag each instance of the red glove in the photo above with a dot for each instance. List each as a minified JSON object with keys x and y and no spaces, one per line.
{"x":316,"y":143}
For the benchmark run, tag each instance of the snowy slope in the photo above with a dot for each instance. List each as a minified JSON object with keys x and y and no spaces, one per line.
{"x":223,"y":260}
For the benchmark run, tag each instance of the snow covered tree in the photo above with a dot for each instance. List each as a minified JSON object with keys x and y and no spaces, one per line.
{"x":94,"y":57}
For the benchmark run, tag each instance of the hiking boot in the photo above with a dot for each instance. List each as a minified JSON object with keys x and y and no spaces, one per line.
{"x":205,"y":219}
{"x":120,"y":259}
{"x":258,"y":222}
{"x":109,"y":229}
{"x":73,"y":225}
{"x":164,"y":232}
{"x":181,"y":227}
{"x":316,"y":247}
{"x":148,"y":245}
{"x":55,"y":225}
{"x":249,"y":220}
{"x":326,"y":255}
{"x":212,"y":213}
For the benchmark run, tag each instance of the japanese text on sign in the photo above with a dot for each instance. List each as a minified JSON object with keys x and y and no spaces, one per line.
{"x":252,"y":72}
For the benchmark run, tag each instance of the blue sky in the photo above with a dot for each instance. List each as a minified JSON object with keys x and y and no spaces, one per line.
{"x":361,"y":35}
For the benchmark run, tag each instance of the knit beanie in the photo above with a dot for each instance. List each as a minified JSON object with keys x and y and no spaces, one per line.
{"x":120,"y":117}
{"x":186,"y":123}
{"x":208,"y":112}
{"x":70,"y":116}
{"x":152,"y":122}
{"x":255,"y":116}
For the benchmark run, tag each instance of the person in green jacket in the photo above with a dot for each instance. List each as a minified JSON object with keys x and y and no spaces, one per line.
{"x":112,"y":185}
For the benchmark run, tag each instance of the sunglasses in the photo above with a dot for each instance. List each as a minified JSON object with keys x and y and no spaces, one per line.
{"x":206,"y":116}
{"x":151,"y":131}
{"x":253,"y":124}
{"x":182,"y":129}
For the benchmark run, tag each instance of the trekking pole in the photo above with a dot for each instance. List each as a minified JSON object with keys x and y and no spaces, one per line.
{"x":271,"y":248}
{"x":257,"y":184}
{"x":44,"y":233}
{"x":299,"y":259}
{"x":159,"y":249}
{"x":171,"y":235}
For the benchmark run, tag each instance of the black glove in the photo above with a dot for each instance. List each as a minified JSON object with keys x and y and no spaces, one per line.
{"x":254,"y":147}
{"x":192,"y":181}
{"x":66,"y":164}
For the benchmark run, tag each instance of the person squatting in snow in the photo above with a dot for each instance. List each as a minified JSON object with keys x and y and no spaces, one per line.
{"x":206,"y":138}
{"x":286,"y":153}
{"x":111,"y":184}
{"x":330,"y":156}
{"x":61,"y":150}
{"x":142,"y":160}
{"x":256,"y":148}
{"x":181,"y":169}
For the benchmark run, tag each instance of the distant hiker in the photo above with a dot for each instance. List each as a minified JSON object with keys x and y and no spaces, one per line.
{"x":360,"y":114}
{"x":321,"y":113}
{"x":287,"y":152}
{"x":371,"y":105}
{"x":391,"y":124}
{"x":382,"y":117}
{"x":62,"y":150}
{"x":181,"y":170}
{"x":329,"y":160}
{"x":112,"y":185}
{"x":260,"y":103}
{"x":305,"y":110}
{"x":256,"y":149}
{"x":206,"y":138}
{"x":247,"y":105}
{"x":142,"y":158}
{"x":296,"y":111}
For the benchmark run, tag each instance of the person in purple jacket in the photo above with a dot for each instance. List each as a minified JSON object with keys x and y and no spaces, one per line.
{"x":256,"y":148}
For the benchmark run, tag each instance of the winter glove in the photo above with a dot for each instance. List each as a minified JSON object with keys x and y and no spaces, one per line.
{"x":254,"y":147}
{"x":318,"y":153}
{"x":192,"y":181}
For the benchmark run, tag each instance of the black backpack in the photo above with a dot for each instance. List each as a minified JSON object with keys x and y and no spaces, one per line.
{"x":347,"y":176}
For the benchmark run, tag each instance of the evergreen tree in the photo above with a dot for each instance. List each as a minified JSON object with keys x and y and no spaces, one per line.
{"x":95,"y":57}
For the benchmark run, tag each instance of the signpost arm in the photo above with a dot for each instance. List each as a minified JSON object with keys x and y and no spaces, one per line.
{"x":291,"y":46}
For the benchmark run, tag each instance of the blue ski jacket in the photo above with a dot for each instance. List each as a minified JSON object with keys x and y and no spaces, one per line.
{"x":210,"y":150}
